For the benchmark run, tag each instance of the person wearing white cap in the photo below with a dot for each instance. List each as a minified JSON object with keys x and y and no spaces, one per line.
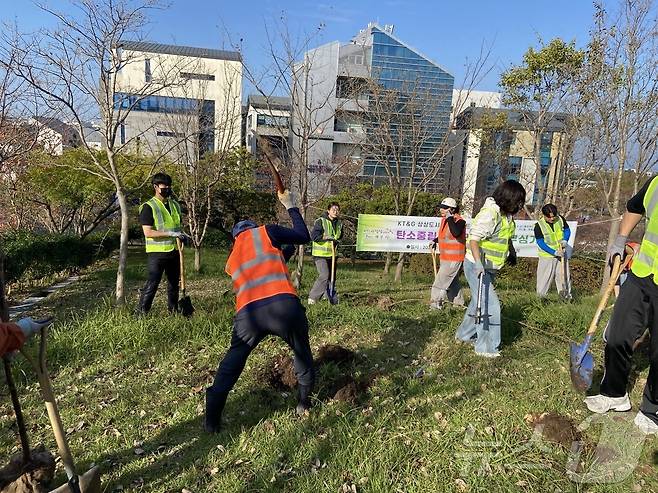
{"x":451,"y":242}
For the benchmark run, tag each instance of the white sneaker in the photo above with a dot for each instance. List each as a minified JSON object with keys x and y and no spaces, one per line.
{"x":310,"y":301}
{"x":488,"y":355}
{"x":601,"y":404}
{"x":435,"y":306}
{"x":646,"y":425}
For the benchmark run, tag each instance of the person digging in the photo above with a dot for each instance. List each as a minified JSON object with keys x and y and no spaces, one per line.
{"x":635,"y":309}
{"x":266,"y":303}
{"x":552,"y":235}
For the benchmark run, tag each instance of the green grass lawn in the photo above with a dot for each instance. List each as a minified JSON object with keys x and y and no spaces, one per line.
{"x":434,"y":418}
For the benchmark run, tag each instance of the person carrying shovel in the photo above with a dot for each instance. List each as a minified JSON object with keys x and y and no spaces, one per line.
{"x":14,"y":335}
{"x":488,"y":247}
{"x":327,"y":231}
{"x":266,"y":304}
{"x":552,"y":235}
{"x":634,"y":311}
{"x":160,"y":218}
{"x":451,"y":242}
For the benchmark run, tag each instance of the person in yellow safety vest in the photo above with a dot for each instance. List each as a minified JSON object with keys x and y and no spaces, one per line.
{"x":552,"y":235}
{"x":327,"y":229}
{"x":160,"y":218}
{"x":635,"y":309}
{"x":488,"y":248}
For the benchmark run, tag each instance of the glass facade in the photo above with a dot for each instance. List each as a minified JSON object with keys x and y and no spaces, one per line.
{"x":401,"y":69}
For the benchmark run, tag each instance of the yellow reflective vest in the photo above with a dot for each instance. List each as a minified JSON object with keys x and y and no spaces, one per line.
{"x":163,"y":220}
{"x":646,"y":262}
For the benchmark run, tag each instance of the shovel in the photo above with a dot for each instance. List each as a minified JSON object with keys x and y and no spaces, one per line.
{"x":433,"y":253}
{"x":89,"y":482}
{"x":185,"y":303}
{"x":582,"y":361}
{"x":331,"y":289}
{"x":478,"y":307}
{"x":565,"y":275}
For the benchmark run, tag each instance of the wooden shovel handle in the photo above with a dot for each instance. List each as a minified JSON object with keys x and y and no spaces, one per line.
{"x":181,"y":259}
{"x":277,"y":177}
{"x":51,"y":407}
{"x":617,"y":269}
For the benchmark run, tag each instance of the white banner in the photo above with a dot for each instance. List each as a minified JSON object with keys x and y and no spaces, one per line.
{"x":381,"y":233}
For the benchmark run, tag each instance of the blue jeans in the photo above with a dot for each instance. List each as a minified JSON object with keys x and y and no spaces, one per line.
{"x":487,"y":333}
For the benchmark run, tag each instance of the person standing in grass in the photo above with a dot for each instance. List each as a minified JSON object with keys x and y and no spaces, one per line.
{"x":160,"y":218}
{"x":635,"y":309}
{"x":266,"y":303}
{"x":327,"y":231}
{"x":488,"y":248}
{"x":451,"y":242}
{"x":552,"y":235}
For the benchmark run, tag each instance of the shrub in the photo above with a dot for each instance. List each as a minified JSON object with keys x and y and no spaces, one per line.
{"x":421,"y":264}
{"x":32,"y":256}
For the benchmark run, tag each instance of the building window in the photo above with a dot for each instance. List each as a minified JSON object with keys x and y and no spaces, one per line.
{"x":147,"y":70}
{"x":350,"y":87}
{"x":162,"y":104}
{"x":193,"y":76}
{"x":272,"y":121}
{"x":166,"y":133}
{"x":347,"y":122}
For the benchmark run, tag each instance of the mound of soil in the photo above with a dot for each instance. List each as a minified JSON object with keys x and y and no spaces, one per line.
{"x":349,"y":392}
{"x":385,"y":303}
{"x":15,"y":478}
{"x":333,"y":353}
{"x":555,"y":428}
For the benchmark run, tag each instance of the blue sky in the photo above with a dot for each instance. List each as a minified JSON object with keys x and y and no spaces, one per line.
{"x":447,"y":31}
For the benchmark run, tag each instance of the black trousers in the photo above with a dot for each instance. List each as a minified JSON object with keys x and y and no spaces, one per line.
{"x":285,"y":318}
{"x":157,"y":264}
{"x":635,"y":310}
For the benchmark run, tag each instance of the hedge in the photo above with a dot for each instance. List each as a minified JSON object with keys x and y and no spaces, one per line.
{"x":30,"y":255}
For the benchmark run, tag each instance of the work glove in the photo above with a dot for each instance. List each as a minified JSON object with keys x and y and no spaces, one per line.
{"x":478,"y":269}
{"x":618,"y":247}
{"x":287,"y":199}
{"x":29,"y":326}
{"x":185,"y":240}
{"x":558,"y":254}
{"x":564,"y":244}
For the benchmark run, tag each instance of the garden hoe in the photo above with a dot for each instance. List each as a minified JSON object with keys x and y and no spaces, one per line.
{"x":89,"y":482}
{"x":185,"y":303}
{"x":582,"y":361}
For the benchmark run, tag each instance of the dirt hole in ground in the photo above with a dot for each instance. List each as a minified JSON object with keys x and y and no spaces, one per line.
{"x":554,"y":427}
{"x":279,"y":373}
{"x":14,"y":478}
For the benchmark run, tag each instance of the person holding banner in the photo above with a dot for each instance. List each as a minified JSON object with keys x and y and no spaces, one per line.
{"x":552,"y":235}
{"x":488,"y":248}
{"x":451,"y":242}
{"x":327,"y":230}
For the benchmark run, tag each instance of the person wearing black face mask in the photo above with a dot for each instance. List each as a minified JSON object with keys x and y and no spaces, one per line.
{"x":160,"y":218}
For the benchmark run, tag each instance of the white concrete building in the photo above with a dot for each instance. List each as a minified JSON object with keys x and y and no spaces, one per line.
{"x":54,"y":135}
{"x":181,"y":99}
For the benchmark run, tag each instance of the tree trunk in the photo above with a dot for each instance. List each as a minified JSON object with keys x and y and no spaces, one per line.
{"x":399,"y":267}
{"x":299,"y":271}
{"x":387,"y":264}
{"x":612,"y":234}
{"x":197,"y":259}
{"x":123,"y":248}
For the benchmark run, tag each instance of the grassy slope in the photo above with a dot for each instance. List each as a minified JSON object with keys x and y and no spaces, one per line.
{"x":131,"y":392}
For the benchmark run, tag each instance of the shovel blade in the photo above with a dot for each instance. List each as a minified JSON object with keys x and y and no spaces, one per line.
{"x":90,"y":482}
{"x":582,"y":367}
{"x":185,"y":305}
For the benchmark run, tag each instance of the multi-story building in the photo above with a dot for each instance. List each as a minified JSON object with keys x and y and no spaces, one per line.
{"x":333,"y":98}
{"x":496,"y":144}
{"x":55,"y":135}
{"x":183,"y":101}
{"x":267,"y":133}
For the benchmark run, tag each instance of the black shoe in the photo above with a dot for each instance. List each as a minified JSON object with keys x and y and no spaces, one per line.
{"x":304,"y":402}
{"x":214,"y":407}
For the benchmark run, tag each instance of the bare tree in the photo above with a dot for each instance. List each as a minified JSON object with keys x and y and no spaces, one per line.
{"x":76,"y":68}
{"x":291,"y":71}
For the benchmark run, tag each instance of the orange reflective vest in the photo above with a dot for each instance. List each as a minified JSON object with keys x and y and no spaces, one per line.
{"x":451,"y":249}
{"x":257,"y":268}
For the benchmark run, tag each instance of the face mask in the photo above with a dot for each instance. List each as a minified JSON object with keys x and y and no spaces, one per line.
{"x":165,"y":192}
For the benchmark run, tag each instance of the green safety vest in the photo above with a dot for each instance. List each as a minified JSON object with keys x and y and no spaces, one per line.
{"x":496,"y":248}
{"x":163,"y":221}
{"x":552,"y":236}
{"x":323,"y":248}
{"x":646,"y":261}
